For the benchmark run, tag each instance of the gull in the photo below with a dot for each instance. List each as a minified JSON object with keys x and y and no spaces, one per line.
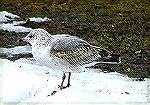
{"x":65,"y":52}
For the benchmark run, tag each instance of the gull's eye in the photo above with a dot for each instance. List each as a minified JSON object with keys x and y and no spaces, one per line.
{"x":42,"y":39}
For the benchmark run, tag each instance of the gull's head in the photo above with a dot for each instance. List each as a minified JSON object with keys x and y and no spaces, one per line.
{"x":37,"y":35}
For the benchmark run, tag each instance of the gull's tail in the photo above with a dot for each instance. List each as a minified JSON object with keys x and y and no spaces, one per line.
{"x":111,"y":59}
{"x":114,"y":58}
{"x":107,"y":56}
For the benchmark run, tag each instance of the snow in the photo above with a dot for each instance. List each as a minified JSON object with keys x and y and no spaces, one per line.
{"x":27,"y":81}
{"x":16,"y":50}
{"x":14,"y":27}
{"x":5,"y":25}
{"x":4,"y":16}
{"x":38,"y":19}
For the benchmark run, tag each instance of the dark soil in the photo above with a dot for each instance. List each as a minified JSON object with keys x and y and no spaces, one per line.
{"x":11,"y":39}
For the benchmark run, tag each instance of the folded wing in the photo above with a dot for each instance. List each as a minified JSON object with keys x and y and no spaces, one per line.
{"x":77,"y":51}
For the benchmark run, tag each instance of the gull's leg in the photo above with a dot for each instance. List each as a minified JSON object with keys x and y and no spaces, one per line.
{"x":68,"y":84}
{"x":63,"y":79}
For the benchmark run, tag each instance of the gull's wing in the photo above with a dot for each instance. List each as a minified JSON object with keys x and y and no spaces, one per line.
{"x":76,"y":51}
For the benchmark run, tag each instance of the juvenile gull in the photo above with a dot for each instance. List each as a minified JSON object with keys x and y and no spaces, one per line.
{"x":65,"y":52}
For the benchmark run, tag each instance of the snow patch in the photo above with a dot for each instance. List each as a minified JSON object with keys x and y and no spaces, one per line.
{"x":13,"y":27}
{"x":5,"y":16}
{"x":38,"y":19}
{"x":16,"y":50}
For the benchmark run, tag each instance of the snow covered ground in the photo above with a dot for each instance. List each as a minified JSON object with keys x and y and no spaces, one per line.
{"x":27,"y":81}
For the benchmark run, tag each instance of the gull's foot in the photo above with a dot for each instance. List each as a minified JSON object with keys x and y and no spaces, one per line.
{"x":60,"y":87}
{"x":53,"y":92}
{"x":63,"y":87}
{"x":68,"y":85}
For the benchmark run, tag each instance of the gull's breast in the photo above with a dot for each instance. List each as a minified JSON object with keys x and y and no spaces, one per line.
{"x":52,"y":61}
